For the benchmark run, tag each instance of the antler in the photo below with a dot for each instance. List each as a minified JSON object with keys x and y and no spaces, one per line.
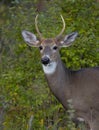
{"x":36,"y":26}
{"x":59,"y":35}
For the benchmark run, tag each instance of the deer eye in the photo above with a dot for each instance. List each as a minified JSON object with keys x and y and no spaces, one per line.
{"x":40,"y":47}
{"x":55,"y":48}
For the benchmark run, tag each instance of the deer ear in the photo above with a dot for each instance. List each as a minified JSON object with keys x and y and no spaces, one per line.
{"x":69,"y":39}
{"x":30,"y":38}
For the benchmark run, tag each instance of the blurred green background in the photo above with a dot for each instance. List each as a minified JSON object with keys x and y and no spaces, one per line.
{"x":26,"y":102}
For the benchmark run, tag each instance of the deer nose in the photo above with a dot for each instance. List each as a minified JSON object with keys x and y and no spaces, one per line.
{"x":45,"y":60}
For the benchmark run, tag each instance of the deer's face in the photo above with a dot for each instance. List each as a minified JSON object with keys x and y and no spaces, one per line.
{"x":49,"y":51}
{"x":49,"y":55}
{"x":49,"y":48}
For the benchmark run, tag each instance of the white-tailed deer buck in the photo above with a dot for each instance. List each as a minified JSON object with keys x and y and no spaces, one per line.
{"x":80,"y":87}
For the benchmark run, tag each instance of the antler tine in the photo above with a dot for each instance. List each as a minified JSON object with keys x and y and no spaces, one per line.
{"x":36,"y":26}
{"x":59,"y":35}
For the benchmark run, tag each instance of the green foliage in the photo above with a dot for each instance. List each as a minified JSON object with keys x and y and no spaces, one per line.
{"x":23,"y":87}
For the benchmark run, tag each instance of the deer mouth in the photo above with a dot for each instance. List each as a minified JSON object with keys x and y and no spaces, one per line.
{"x":49,"y":64}
{"x":50,"y":67}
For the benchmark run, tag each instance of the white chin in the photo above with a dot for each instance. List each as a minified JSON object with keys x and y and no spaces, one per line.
{"x":50,"y":68}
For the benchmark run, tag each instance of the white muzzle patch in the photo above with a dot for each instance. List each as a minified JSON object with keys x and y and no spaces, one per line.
{"x":50,"y":68}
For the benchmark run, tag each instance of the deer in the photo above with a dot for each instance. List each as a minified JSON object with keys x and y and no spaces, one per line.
{"x":80,"y":87}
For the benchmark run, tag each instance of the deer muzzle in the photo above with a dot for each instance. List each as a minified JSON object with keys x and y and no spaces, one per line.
{"x":45,"y":60}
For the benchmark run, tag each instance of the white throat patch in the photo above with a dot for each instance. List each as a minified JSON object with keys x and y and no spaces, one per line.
{"x":50,"y":68}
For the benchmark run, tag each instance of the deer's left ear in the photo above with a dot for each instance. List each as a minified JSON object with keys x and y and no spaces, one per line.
{"x":30,"y":38}
{"x":68,"y":39}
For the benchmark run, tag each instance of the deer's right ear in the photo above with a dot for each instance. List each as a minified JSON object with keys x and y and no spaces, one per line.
{"x":30,"y":38}
{"x":68,"y":40}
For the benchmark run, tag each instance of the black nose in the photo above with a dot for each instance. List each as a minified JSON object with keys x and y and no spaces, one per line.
{"x":45,"y":60}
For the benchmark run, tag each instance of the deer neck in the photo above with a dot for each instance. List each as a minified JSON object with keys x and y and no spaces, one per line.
{"x":59,"y":82}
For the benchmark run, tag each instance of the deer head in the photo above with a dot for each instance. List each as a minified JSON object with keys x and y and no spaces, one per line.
{"x":49,"y":47}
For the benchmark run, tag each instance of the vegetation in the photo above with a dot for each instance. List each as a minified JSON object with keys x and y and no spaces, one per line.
{"x":25,"y":97}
